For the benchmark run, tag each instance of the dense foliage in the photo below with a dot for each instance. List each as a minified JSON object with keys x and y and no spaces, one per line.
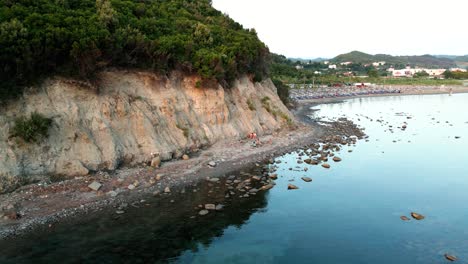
{"x":80,"y":37}
{"x":456,"y":75}
{"x":31,"y":129}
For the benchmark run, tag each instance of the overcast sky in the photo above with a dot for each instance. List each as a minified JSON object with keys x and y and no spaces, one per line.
{"x":326,"y":28}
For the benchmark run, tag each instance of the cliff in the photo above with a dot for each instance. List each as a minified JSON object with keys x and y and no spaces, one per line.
{"x":126,"y":118}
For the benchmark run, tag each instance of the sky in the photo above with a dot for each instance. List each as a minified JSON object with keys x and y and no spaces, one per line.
{"x":326,"y":28}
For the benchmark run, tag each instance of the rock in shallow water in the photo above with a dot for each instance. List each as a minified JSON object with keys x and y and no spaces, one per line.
{"x":210,"y":207}
{"x":292,"y":187}
{"x":203,"y":212}
{"x":404,"y":218}
{"x":306,"y":179}
{"x":450,"y":257}
{"x":417,"y":216}
{"x":326,"y":165}
{"x":336,"y":159}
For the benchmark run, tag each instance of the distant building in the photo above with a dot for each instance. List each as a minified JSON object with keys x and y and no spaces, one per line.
{"x":457,"y":70}
{"x":346,"y":63}
{"x":379,"y":63}
{"x":299,"y":67}
{"x":333,"y":66}
{"x":326,"y":62}
{"x":408,"y":72}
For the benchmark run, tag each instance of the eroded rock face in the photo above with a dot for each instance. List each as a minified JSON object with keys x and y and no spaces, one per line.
{"x":127,"y":118}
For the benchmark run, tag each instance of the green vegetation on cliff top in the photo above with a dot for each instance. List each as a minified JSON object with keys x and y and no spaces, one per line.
{"x":39,"y":38}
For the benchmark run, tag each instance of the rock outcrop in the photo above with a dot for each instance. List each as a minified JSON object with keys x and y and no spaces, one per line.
{"x":126,"y":118}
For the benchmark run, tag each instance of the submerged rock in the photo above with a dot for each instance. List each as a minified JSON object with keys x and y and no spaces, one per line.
{"x":292,"y":187}
{"x":210,"y":207}
{"x":404,"y":218}
{"x":203,"y":212}
{"x":326,"y":165}
{"x":417,"y":216}
{"x":306,"y":179}
{"x":336,"y":159}
{"x":450,"y":257}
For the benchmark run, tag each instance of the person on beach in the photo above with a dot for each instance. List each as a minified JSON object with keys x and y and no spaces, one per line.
{"x":450,"y":91}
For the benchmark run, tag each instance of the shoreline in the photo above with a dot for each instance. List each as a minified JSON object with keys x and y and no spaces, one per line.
{"x":42,"y":205}
{"x":425,"y":91}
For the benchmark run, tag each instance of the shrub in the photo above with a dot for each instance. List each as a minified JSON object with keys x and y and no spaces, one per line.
{"x":185,"y":130}
{"x":251,"y":105}
{"x":32,"y":129}
{"x":283,"y":91}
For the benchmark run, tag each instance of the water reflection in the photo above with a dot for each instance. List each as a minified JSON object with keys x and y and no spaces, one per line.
{"x":158,"y":231}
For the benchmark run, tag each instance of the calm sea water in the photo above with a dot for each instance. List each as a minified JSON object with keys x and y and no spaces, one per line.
{"x":347,"y":214}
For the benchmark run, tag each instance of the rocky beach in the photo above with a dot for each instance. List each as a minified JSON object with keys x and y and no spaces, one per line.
{"x":47,"y":202}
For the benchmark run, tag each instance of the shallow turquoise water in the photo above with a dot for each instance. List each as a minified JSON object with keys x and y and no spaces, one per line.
{"x":347,"y":214}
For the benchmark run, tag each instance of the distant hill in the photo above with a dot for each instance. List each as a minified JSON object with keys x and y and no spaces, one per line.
{"x":307,"y":60}
{"x":429,"y":61}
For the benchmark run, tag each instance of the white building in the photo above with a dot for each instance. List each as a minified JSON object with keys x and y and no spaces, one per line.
{"x":379,"y":63}
{"x":457,"y":70}
{"x":408,"y":72}
{"x":332,"y":66}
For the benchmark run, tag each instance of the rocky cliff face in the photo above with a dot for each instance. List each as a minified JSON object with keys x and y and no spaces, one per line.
{"x":129,"y":116}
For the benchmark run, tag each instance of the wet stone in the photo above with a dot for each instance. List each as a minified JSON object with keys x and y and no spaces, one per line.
{"x":417,"y":216}
{"x":203,"y":212}
{"x":306,"y":179}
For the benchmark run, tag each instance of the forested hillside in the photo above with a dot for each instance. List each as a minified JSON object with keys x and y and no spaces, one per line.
{"x":80,"y":37}
{"x":428,"y":61}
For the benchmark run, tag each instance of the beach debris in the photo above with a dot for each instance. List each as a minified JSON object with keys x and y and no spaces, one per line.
{"x":404,"y":218}
{"x":203,"y":212}
{"x":326,"y":165}
{"x":292,"y":187}
{"x":95,"y":186}
{"x":306,"y":179}
{"x":450,"y":257}
{"x":417,"y":216}
{"x":336,"y":159}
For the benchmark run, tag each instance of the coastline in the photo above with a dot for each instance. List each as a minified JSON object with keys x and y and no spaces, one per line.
{"x":425,"y":91}
{"x":42,"y":205}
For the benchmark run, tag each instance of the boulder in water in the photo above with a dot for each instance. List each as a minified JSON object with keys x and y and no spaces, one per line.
{"x":417,"y":216}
